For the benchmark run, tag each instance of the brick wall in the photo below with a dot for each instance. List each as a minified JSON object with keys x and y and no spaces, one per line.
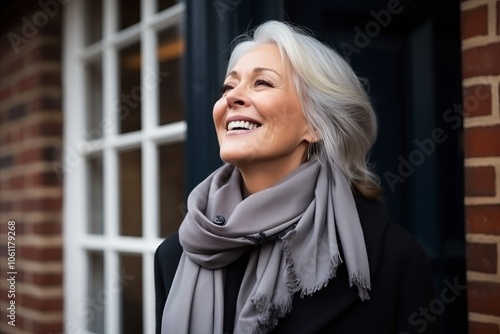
{"x":481,"y":78}
{"x":30,"y":191}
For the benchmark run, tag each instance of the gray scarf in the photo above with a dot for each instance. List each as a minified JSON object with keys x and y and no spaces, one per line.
{"x":292,"y":231}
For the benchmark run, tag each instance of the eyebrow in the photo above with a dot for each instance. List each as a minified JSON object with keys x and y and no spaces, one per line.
{"x":234,"y":73}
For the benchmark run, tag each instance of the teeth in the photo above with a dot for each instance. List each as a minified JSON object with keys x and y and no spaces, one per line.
{"x":241,"y":124}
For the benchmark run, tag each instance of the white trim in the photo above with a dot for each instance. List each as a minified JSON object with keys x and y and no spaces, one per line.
{"x":78,"y":242}
{"x":150,"y":192}
{"x":165,"y":134}
{"x":123,"y":244}
{"x":74,"y":174}
{"x":156,"y":22}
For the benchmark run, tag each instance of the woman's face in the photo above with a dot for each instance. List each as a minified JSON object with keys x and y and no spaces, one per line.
{"x":259,"y":118}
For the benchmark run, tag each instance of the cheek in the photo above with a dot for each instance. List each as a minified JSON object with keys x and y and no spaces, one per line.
{"x":218,"y":111}
{"x":286,"y":116}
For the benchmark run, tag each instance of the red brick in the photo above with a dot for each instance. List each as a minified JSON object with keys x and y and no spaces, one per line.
{"x":18,"y":133}
{"x":51,"y":79}
{"x":483,"y":297}
{"x":482,"y":141}
{"x":474,"y":22}
{"x":26,"y":252}
{"x":12,"y":67}
{"x":44,"y":327}
{"x":5,"y":206}
{"x":47,"y":228}
{"x":482,"y":257}
{"x":16,"y":112}
{"x":4,"y":139}
{"x":41,"y":304}
{"x":481,"y":60}
{"x":4,"y":184}
{"x":4,"y":94}
{"x":47,"y":129}
{"x":483,"y":328}
{"x":483,"y":219}
{"x":21,"y":227}
{"x":480,"y":181}
{"x":16,"y":182}
{"x":477,"y":100}
{"x":498,"y":18}
{"x":6,"y":161}
{"x":47,"y":279}
{"x":36,"y":154}
{"x":41,"y":204}
{"x":45,"y":52}
{"x":30,"y":83}
{"x":40,"y":79}
{"x":41,"y":279}
{"x":7,"y":92}
{"x":4,"y":228}
{"x":14,"y":135}
{"x":45,"y":103}
{"x":43,"y":179}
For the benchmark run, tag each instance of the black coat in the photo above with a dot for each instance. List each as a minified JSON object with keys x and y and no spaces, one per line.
{"x":402,"y":298}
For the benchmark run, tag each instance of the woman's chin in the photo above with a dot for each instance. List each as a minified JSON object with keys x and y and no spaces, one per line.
{"x":237,"y":158}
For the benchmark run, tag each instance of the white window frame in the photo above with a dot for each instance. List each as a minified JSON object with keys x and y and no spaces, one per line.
{"x":77,"y":241}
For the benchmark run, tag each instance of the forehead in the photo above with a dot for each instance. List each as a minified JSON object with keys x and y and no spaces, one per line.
{"x":263,"y":56}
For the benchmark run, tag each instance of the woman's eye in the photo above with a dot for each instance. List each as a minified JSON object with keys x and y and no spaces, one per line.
{"x":225,"y":88}
{"x":262,"y":82}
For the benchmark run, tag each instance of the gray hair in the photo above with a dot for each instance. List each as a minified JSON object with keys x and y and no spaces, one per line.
{"x":333,"y":98}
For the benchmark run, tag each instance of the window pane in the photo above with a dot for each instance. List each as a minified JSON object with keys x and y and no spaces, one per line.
{"x":172,"y":207}
{"x":131,"y":299}
{"x":130,"y":193}
{"x":97,"y":298}
{"x":96,"y":217}
{"x":164,"y":4}
{"x":93,"y":20}
{"x":130,"y":89}
{"x":130,"y":12}
{"x":170,"y":51}
{"x":95,"y":124}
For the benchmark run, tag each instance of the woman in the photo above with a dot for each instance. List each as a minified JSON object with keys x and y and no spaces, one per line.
{"x":290,"y":235}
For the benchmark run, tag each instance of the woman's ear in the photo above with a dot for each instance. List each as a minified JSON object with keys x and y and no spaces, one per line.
{"x":313,"y":136}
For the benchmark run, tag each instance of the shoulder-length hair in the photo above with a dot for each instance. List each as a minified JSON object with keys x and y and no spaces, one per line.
{"x":333,"y":98}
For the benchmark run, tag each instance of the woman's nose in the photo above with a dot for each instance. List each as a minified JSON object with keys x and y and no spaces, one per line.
{"x":236,"y":99}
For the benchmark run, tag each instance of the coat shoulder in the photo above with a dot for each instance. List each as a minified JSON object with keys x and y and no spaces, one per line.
{"x":167,"y":257}
{"x":170,"y":247}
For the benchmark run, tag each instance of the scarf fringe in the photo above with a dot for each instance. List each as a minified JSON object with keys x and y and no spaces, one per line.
{"x":363,"y":285}
{"x":270,"y":313}
{"x":334,"y":263}
{"x":294,"y":283}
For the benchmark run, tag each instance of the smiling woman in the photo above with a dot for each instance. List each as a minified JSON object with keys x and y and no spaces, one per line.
{"x":290,"y":235}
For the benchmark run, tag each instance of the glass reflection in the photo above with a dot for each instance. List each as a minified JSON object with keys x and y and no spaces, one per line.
{"x":172,"y":202}
{"x":130,"y":193}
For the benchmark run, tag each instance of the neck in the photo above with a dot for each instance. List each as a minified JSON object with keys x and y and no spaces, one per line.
{"x":258,"y":176}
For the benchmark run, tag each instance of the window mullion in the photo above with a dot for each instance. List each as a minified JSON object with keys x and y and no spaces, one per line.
{"x":150,"y":187}
{"x":110,"y":173}
{"x":112,"y":274}
{"x":149,"y":101}
{"x":148,"y":310}
{"x":149,"y":71}
{"x":74,"y":170}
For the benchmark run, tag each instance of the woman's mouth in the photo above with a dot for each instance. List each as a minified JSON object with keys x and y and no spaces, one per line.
{"x":242,"y":125}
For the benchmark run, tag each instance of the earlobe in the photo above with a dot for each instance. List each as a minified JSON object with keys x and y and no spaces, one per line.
{"x":312,"y":136}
